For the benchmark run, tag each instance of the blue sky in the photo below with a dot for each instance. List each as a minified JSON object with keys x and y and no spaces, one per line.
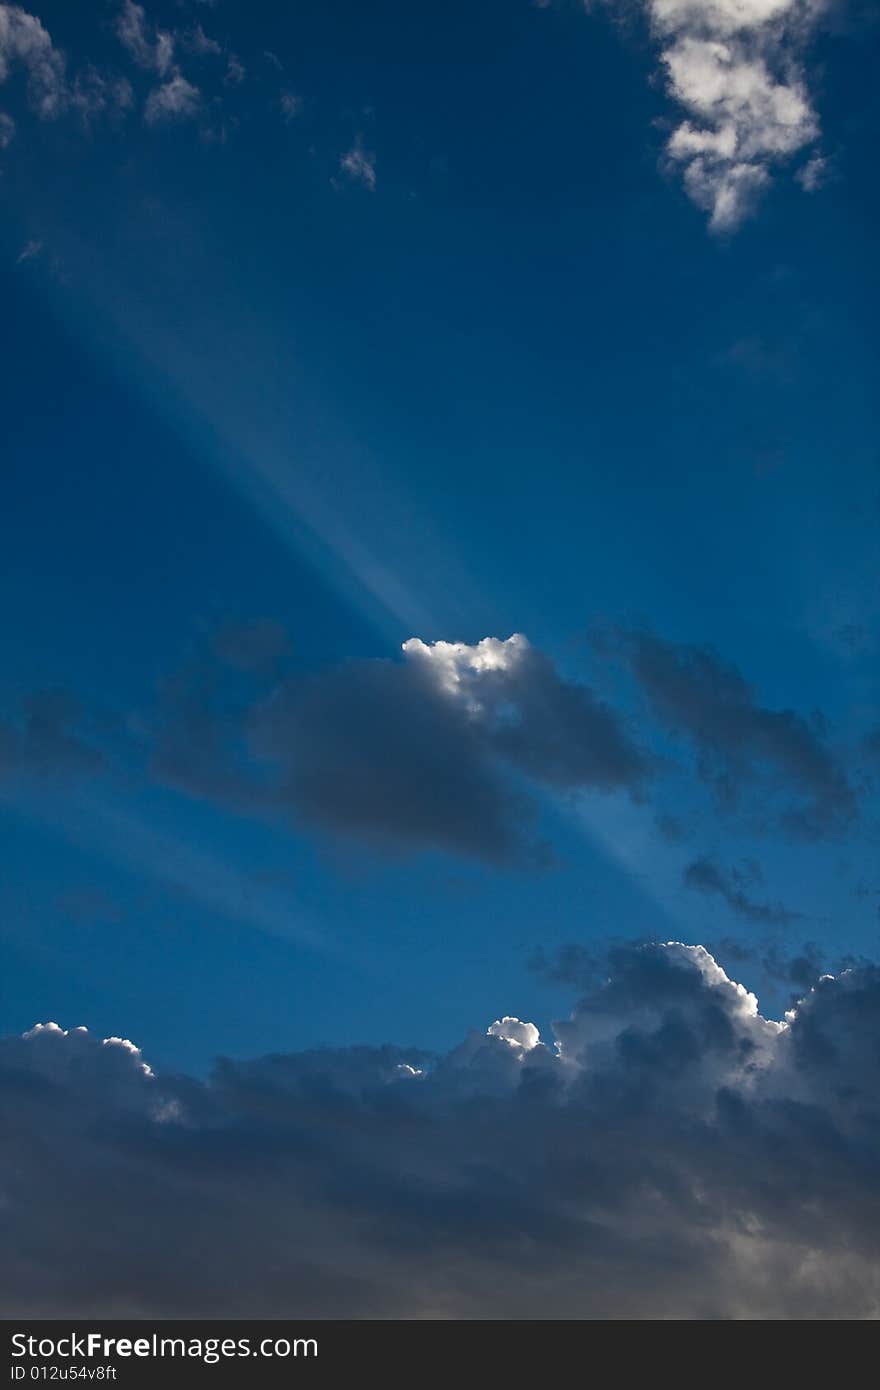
{"x":329,"y":326}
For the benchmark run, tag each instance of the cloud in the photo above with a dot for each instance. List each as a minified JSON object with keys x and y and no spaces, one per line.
{"x":149,"y":49}
{"x":708,"y":877}
{"x":815,"y":174}
{"x":88,"y":93}
{"x":235,"y":73}
{"x":359,"y":165}
{"x":555,"y":730}
{"x":741,"y":743}
{"x":734,"y":67}
{"x":442,"y":750}
{"x":95,"y":94}
{"x":175,"y":100}
{"x":675,"y":1154}
{"x":291,"y":105}
{"x":202,"y":44}
{"x":24,"y":43}
{"x":29,"y":251}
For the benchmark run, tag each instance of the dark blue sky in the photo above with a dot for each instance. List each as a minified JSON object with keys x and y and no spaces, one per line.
{"x":411,"y":328}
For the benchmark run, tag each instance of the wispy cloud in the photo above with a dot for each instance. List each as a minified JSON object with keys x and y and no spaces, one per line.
{"x":175,"y":100}
{"x":291,"y":105}
{"x":29,"y":252}
{"x":150,"y":48}
{"x":359,"y":165}
{"x":235,"y":73}
{"x":815,"y":173}
{"x":26,"y":44}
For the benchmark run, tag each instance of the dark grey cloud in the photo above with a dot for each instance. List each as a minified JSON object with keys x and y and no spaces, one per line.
{"x":706,"y":876}
{"x":740,"y":743}
{"x":678,"y":1155}
{"x":441,"y":749}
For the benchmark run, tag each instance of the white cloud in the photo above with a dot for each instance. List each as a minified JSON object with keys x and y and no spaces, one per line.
{"x":457,"y":667}
{"x":150,"y":50}
{"x":359,"y":165}
{"x":521,"y":1036}
{"x":175,"y":100}
{"x":815,"y":173}
{"x":734,"y":66}
{"x":202,"y":44}
{"x":25,"y":43}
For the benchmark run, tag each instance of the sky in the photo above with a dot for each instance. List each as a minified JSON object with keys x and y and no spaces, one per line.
{"x":441,"y":485}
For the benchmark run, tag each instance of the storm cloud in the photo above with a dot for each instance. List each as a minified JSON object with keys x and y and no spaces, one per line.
{"x":444,"y":749}
{"x":673,"y":1154}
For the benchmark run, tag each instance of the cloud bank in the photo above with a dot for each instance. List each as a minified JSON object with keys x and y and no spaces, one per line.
{"x":674,"y":1154}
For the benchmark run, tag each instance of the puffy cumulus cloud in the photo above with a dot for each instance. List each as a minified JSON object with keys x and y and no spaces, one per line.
{"x":522,"y":1036}
{"x":675,"y":1154}
{"x":670,"y":1020}
{"x":734,"y":66}
{"x":785,"y":760}
{"x":442,"y":750}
